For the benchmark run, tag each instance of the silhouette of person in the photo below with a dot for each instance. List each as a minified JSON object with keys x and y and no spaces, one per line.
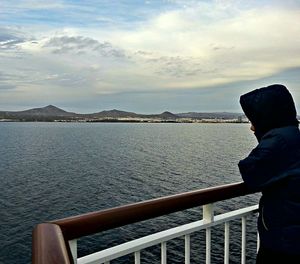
{"x":273,"y":168}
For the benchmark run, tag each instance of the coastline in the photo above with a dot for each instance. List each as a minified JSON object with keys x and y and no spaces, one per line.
{"x":113,"y":120}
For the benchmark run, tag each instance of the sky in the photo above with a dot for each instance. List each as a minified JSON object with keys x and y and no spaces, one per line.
{"x":145,"y":56}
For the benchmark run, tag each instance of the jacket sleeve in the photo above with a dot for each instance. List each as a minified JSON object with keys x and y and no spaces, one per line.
{"x":265,"y":164}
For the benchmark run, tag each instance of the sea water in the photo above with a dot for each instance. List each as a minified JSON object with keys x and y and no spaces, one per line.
{"x":54,"y":170}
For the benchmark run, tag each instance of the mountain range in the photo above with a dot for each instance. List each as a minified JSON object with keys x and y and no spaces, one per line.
{"x":51,"y":113}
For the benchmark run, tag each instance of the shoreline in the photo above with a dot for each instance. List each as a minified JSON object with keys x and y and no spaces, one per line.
{"x":212,"y":121}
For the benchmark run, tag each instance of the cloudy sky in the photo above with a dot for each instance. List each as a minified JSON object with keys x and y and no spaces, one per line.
{"x":145,"y":56}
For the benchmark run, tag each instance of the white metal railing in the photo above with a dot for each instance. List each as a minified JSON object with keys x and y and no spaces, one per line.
{"x":209,"y":220}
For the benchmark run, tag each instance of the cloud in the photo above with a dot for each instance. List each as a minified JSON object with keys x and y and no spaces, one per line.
{"x":236,"y":45}
{"x":7,"y":82}
{"x":10,"y":38}
{"x":82,"y":45}
{"x":7,"y":86}
{"x":21,"y":6}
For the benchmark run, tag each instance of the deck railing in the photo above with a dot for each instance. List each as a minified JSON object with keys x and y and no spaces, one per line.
{"x":55,"y":242}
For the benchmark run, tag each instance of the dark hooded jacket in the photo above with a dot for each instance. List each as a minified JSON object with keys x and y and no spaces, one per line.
{"x":273,"y":167}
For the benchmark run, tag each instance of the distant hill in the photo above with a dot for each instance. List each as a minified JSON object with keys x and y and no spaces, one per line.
{"x":165,"y":115}
{"x":52,"y":113}
{"x":114,"y":114}
{"x":48,"y":113}
{"x":49,"y":110}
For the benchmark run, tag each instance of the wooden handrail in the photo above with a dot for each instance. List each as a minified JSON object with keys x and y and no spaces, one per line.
{"x":91,"y":223}
{"x":49,"y":245}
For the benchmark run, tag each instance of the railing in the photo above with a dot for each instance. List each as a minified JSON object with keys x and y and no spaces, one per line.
{"x":55,"y":242}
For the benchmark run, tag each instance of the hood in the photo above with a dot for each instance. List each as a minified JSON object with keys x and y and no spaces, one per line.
{"x":269,"y":107}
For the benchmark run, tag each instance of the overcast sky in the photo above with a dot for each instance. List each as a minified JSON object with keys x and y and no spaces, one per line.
{"x":145,"y":56}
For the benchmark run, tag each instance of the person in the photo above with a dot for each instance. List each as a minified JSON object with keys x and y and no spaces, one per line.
{"x":273,"y":168}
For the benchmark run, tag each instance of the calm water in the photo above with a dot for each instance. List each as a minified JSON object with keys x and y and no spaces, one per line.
{"x":55,"y":170}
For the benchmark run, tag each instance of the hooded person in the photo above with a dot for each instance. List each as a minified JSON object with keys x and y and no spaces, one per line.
{"x":273,"y":167}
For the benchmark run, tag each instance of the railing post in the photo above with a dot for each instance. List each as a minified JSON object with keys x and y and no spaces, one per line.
{"x":226,"y":242}
{"x":73,"y":248}
{"x":243,"y":261}
{"x":187,"y":246}
{"x":164,"y":253}
{"x":137,"y":257}
{"x":208,"y":217}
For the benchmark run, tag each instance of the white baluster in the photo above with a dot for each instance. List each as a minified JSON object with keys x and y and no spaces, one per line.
{"x":137,"y":257}
{"x":208,"y":217}
{"x":73,"y":248}
{"x":226,"y":243}
{"x":187,"y":246}
{"x":164,"y":253}
{"x":243,"y":261}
